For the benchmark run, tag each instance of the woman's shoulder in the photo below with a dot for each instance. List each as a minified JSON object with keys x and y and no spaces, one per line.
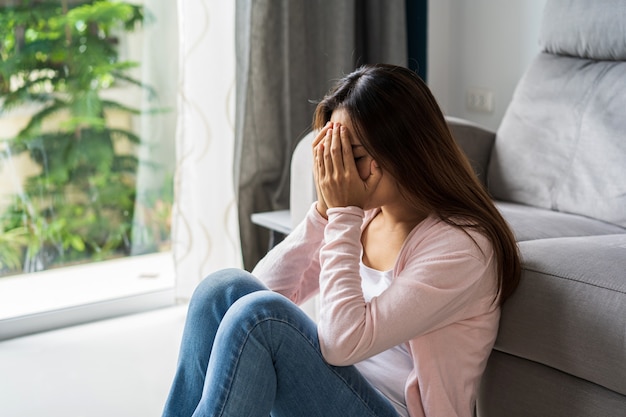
{"x":434,"y":237}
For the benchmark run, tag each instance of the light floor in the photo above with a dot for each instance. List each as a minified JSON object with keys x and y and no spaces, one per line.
{"x":120,"y":367}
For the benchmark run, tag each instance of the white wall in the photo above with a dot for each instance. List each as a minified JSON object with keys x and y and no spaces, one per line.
{"x":485,"y":44}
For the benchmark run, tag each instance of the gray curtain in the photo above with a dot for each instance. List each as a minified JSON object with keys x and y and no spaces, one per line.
{"x":289,"y":53}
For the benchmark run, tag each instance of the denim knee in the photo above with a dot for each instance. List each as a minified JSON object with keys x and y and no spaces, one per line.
{"x":226,"y":284}
{"x":263,"y":305}
{"x":220,"y":280}
{"x":267,"y":303}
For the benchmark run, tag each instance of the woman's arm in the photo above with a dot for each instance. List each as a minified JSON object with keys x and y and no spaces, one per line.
{"x":292,"y":267}
{"x":441,"y":277}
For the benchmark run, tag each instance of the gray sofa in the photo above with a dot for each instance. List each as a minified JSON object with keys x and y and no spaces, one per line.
{"x":557,"y":169}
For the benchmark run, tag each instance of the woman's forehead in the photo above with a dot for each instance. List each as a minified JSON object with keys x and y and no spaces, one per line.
{"x":342,"y":117}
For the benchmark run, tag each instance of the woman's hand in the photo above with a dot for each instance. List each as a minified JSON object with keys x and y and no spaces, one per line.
{"x":336,"y":176}
{"x":321,"y":204}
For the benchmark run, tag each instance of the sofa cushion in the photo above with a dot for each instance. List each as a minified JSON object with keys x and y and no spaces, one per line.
{"x":530,"y":223}
{"x":569,"y":311}
{"x":562,"y":142}
{"x":570,"y":27}
{"x":515,"y":387}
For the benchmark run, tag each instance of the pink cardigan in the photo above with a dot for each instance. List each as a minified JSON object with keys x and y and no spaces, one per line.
{"x":441,"y":301}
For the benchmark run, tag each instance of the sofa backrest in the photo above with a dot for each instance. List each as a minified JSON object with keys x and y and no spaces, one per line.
{"x":562,"y":142}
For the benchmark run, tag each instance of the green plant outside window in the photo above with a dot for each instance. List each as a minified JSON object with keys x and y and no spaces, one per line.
{"x":82,"y":203}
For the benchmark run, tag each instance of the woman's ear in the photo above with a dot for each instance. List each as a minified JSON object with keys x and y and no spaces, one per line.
{"x":374,"y":168}
{"x":376,"y":174}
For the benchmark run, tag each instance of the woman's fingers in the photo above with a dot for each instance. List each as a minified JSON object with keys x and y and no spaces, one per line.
{"x":321,"y":135}
{"x":337,"y":178}
{"x":318,"y":154}
{"x":319,"y":160}
{"x":318,"y":173}
{"x":326,"y":149}
{"x":346,"y":150}
{"x":335,"y":148}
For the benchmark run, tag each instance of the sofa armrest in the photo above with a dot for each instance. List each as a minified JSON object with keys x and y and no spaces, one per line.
{"x":302,"y":186}
{"x":477,"y":143}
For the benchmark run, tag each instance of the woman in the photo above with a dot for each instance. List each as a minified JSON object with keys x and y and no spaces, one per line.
{"x":409,"y":255}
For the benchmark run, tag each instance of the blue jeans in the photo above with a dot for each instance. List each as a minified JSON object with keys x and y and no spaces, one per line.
{"x":248,"y":351}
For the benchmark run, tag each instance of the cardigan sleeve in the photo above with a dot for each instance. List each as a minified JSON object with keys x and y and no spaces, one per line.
{"x":442,"y":276}
{"x":292,"y":267}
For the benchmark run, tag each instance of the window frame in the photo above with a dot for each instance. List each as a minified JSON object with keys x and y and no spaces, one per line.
{"x":91,"y":276}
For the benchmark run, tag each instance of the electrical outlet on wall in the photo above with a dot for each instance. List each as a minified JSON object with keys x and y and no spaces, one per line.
{"x":479,"y":100}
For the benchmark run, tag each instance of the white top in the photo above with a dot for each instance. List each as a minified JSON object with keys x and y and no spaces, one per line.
{"x":387,"y":371}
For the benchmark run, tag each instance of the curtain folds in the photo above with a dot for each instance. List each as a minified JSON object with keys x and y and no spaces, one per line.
{"x":288,"y":53}
{"x":204,"y":225}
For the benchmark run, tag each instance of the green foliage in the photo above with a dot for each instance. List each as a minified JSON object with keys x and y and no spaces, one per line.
{"x":61,"y":58}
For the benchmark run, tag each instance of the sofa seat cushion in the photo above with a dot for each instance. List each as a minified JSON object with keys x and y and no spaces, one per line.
{"x":529,"y":223}
{"x":569,"y":311}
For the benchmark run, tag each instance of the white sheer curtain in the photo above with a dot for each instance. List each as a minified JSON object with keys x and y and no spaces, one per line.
{"x":205,"y":232}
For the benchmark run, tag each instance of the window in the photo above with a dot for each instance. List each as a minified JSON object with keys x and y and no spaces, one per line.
{"x":87,"y":129}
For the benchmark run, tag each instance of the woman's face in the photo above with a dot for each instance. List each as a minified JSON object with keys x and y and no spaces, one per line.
{"x":362,"y":159}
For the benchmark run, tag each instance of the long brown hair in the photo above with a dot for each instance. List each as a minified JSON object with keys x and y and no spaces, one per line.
{"x":401,"y":126}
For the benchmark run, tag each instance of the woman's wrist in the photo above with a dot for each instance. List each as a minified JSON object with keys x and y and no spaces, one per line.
{"x":321,"y":209}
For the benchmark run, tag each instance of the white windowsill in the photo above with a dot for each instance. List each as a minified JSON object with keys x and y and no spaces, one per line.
{"x":61,"y":297}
